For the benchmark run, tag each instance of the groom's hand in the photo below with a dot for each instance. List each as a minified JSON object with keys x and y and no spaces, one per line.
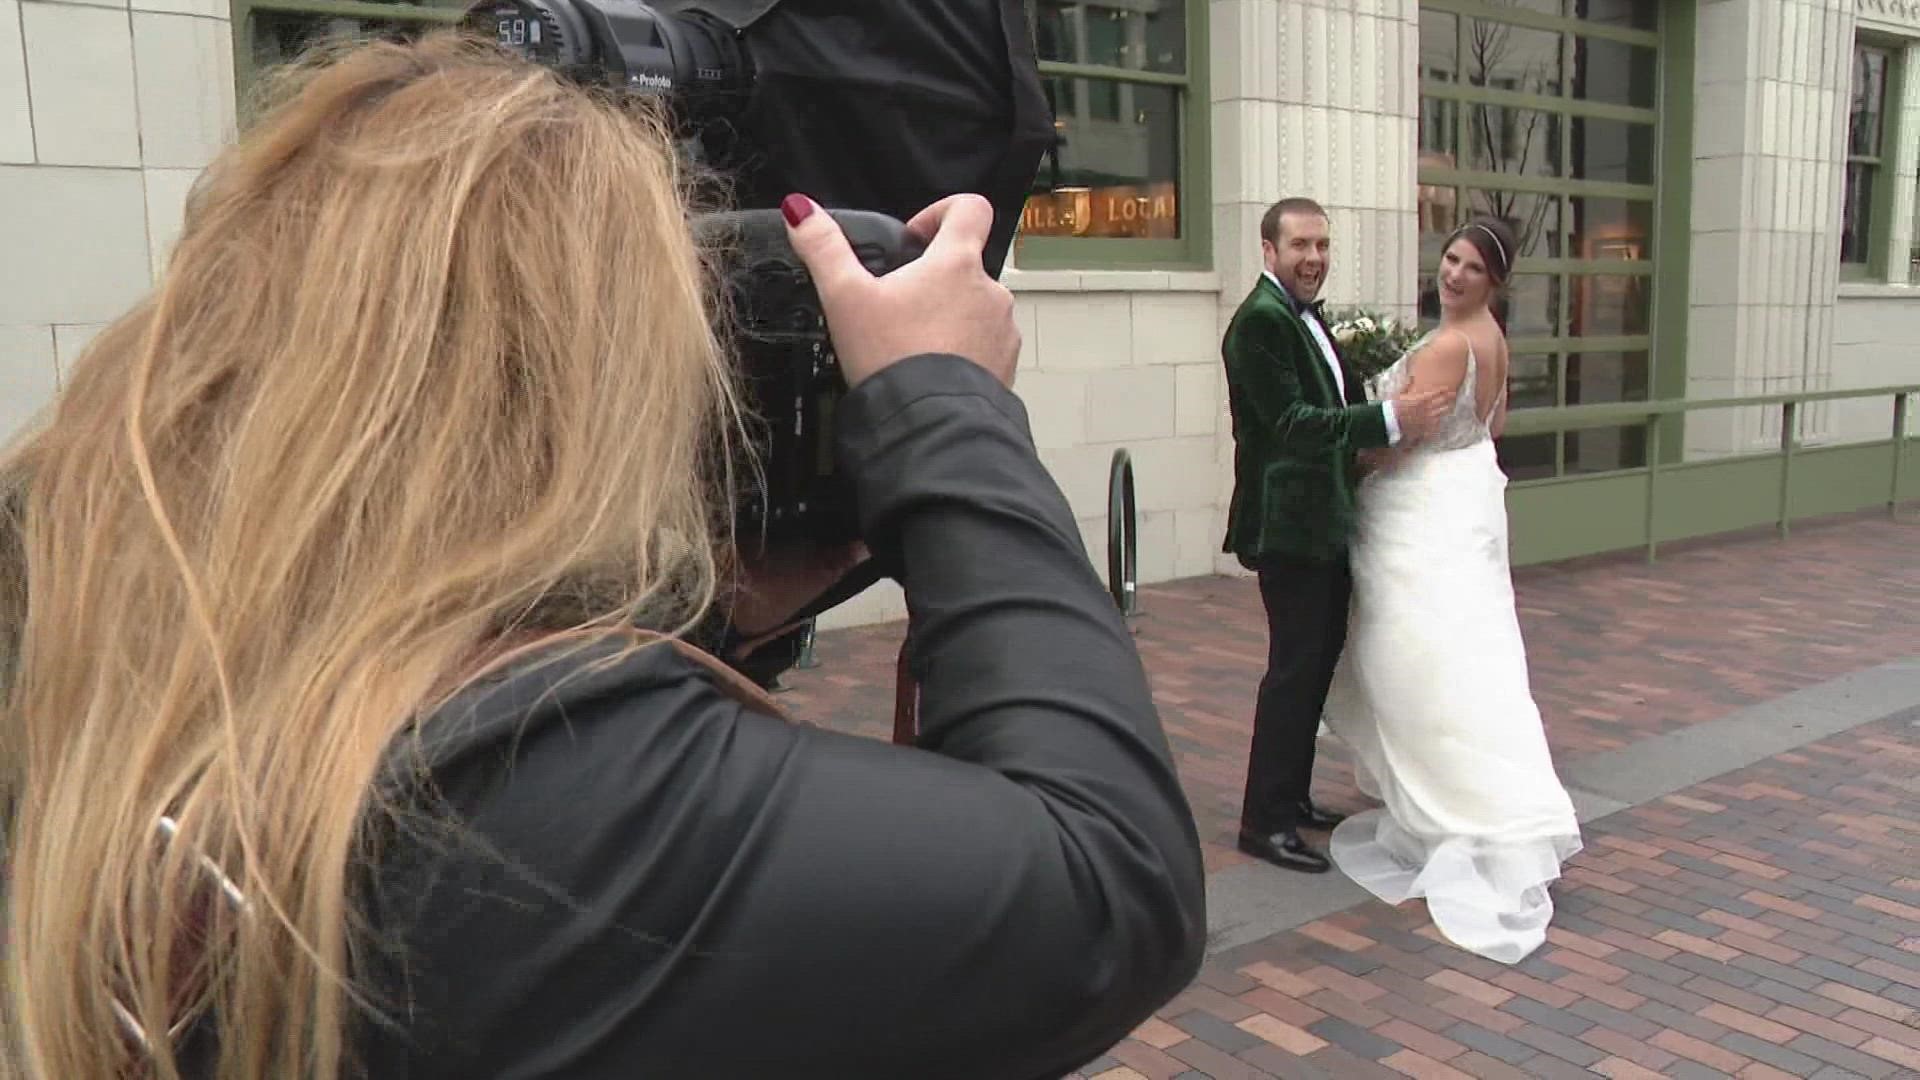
{"x":1421,"y":413}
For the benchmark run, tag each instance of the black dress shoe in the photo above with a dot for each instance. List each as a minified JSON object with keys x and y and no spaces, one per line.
{"x":1312,"y":817}
{"x":1284,"y":849}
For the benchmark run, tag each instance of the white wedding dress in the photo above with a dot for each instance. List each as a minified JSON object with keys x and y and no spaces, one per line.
{"x":1432,"y":696}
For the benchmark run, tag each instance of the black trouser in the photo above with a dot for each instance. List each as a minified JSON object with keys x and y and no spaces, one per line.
{"x":1306,"y":602}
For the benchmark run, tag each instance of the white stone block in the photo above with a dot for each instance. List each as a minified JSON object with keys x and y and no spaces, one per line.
{"x":16,"y":118}
{"x":1711,"y":433}
{"x":1196,"y":540}
{"x":1318,"y":48}
{"x":1757,"y":270}
{"x":1083,"y":332}
{"x":80,"y":75}
{"x":1342,"y":59}
{"x":28,"y":378}
{"x":1720,"y":120}
{"x":1156,"y":547}
{"x":166,"y":210}
{"x":1234,"y":131}
{"x":205,"y":9}
{"x":1369,"y":59}
{"x":1056,"y":407}
{"x":1294,"y":153}
{"x":1174,"y":328}
{"x":1198,"y":396}
{"x":1230,"y":30}
{"x":1286,"y":77}
{"x":1715,"y":270}
{"x":1719,"y":194}
{"x":1130,"y":404}
{"x":186,"y":88}
{"x":1712,"y":341}
{"x":80,"y":256}
{"x":1722,"y":32}
{"x":1026,"y":318}
{"x":1366,"y":181}
{"x":1081,"y":472}
{"x":1174,"y":474}
{"x":70,"y":341}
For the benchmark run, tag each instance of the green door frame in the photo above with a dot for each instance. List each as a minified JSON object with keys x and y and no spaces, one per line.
{"x":1673,"y":228}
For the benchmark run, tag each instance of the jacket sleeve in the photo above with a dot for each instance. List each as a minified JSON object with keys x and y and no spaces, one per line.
{"x":746,"y":897}
{"x":1257,"y":361}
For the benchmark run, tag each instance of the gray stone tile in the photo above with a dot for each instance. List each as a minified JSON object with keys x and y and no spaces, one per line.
{"x":1353,"y":1038}
{"x":1490,"y":1044}
{"x":1777,"y":1056}
{"x":1558,"y":1045}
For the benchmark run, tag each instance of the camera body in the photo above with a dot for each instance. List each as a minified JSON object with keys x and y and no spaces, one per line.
{"x":771,"y":314}
{"x":788,"y":368}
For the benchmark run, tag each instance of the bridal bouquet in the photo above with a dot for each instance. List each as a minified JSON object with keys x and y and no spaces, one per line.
{"x":1370,"y":342}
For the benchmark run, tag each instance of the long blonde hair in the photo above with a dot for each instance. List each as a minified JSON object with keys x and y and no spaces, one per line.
{"x":430,"y":369}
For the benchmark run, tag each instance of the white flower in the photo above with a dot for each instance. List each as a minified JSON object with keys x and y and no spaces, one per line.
{"x":1345,"y":333}
{"x":1366,"y":325}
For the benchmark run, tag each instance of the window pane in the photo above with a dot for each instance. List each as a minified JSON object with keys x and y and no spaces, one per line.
{"x":1439,"y":46}
{"x":1531,"y":383}
{"x":1526,"y":457}
{"x":1609,"y":305}
{"x":1109,"y":176}
{"x":1611,"y":228}
{"x":1598,"y":377}
{"x":1606,"y":449}
{"x":1869,"y":97}
{"x":1149,"y":36}
{"x":1518,"y":58}
{"x":1533,"y":306}
{"x":1439,"y":132}
{"x":1856,"y":204}
{"x":1612,"y":150}
{"x":1615,"y":73}
{"x":1631,"y":14}
{"x":1522,"y":142}
{"x":1439,"y":216}
{"x":1534,"y":219}
{"x":279,"y":37}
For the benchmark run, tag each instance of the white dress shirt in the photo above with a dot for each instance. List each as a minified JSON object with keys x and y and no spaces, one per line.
{"x":1332,"y":359}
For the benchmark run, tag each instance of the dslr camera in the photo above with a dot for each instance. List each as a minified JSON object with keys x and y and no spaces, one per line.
{"x":875,"y":110}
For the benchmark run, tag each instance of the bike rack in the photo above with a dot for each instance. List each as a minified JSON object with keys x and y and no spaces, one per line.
{"x":1123,"y":535}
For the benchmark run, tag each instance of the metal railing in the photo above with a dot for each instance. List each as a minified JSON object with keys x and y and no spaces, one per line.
{"x":1123,"y":535}
{"x":1648,"y":414}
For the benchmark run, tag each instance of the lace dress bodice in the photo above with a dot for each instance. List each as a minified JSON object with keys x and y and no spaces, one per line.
{"x":1463,"y":427}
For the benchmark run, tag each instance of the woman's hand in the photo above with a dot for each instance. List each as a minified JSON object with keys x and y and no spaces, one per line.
{"x":942,"y":302}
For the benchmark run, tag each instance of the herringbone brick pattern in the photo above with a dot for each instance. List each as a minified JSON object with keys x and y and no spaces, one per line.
{"x":1618,"y":650}
{"x":1766,"y":924}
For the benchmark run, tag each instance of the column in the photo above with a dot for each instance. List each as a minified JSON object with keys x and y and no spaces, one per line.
{"x":1769,"y":149}
{"x":1316,"y":98}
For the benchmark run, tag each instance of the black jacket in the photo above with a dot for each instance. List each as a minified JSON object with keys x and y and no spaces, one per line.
{"x":652,"y":881}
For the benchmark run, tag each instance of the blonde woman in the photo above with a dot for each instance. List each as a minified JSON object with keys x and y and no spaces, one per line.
{"x":330,"y":749}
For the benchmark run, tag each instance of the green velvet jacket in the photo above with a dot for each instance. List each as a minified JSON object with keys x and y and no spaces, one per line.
{"x":1294,"y":435}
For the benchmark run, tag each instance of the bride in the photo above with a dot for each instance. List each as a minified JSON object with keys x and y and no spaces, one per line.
{"x":1432,"y":691}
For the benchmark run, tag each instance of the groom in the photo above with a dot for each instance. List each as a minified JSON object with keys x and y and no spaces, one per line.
{"x":1299,"y":416}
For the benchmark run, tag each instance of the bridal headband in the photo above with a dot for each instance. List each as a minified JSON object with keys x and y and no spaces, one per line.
{"x":1506,"y":263}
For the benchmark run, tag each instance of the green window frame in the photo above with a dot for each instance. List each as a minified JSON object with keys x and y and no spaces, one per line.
{"x":1868,"y":184}
{"x":1490,"y":116}
{"x":1191,"y":250}
{"x":266,"y":32}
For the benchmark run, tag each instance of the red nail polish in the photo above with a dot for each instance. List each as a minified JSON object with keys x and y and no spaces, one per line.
{"x":795,"y":208}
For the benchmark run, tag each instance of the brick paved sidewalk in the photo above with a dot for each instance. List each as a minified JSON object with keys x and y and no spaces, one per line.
{"x":1619,"y":650}
{"x":1764,"y":924}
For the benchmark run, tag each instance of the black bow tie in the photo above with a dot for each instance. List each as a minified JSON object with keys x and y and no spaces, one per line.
{"x":1318,"y":309}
